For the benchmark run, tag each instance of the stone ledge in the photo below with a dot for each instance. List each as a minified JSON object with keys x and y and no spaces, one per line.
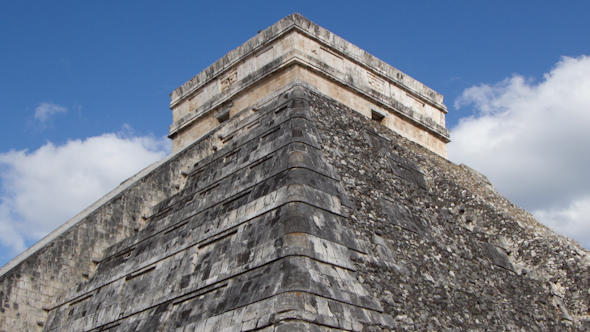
{"x":302,"y":24}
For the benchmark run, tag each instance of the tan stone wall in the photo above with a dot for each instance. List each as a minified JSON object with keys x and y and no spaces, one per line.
{"x":251,"y":96}
{"x":413,"y":110}
{"x":364,"y":106}
{"x":200,"y":127}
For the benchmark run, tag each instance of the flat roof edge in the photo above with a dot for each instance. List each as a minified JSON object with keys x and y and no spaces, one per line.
{"x":298,"y":21}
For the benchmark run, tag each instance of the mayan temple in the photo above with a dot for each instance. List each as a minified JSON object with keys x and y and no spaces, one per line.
{"x":308,"y":190}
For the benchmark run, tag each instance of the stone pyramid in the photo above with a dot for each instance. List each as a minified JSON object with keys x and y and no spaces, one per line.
{"x":308,"y":190}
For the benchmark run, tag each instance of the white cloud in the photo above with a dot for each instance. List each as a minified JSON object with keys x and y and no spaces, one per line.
{"x":533,"y":141}
{"x":45,"y":110}
{"x":571,"y":220}
{"x":44,"y":188}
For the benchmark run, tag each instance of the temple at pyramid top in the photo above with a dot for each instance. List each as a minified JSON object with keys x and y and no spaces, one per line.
{"x":297,"y":50}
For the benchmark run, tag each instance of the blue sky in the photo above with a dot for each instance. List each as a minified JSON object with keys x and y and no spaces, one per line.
{"x":75,"y":74}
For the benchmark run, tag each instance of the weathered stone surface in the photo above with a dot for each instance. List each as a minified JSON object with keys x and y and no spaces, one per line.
{"x":401,"y":216}
{"x":28,"y":288}
{"x":301,"y":214}
{"x":449,"y":279}
{"x":261,"y":217}
{"x":295,"y":49}
{"x":315,"y":231}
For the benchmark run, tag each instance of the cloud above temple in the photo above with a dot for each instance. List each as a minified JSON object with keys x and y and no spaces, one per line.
{"x":42,"y":189}
{"x":45,"y":110}
{"x":532,"y":140}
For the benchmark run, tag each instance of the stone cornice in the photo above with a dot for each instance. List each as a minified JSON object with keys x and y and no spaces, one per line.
{"x":298,"y":58}
{"x":326,"y":38}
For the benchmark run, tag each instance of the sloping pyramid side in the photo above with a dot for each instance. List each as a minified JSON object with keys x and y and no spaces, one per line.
{"x":310,"y":217}
{"x":259,"y":236}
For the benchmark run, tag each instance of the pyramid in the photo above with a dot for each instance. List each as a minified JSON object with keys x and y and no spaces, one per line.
{"x":308,"y":190}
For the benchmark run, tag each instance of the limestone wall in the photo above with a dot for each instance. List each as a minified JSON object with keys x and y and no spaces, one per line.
{"x":335,"y":67}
